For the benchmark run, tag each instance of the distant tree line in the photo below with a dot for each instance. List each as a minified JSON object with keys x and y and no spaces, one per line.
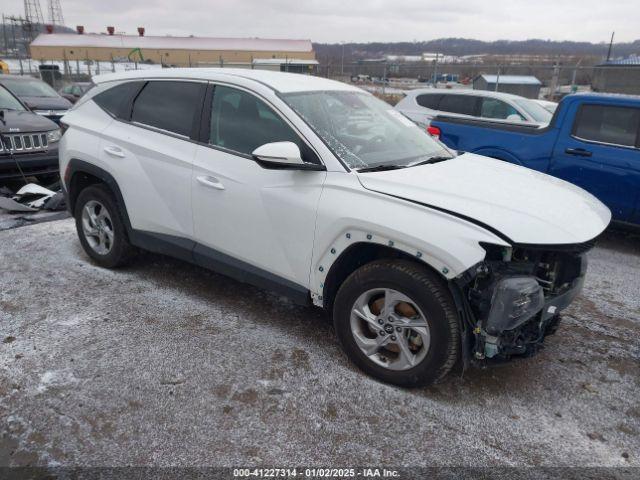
{"x":333,"y":52}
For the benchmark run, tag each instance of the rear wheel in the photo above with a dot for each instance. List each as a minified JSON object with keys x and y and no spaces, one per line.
{"x":396,"y":321}
{"x":100,"y":227}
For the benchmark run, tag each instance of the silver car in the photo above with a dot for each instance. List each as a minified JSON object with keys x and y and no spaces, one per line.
{"x":422,"y":105}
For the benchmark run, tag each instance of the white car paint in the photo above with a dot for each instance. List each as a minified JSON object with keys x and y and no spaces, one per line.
{"x":500,"y":195}
{"x":547,"y":105}
{"x":294,"y":224}
{"x":422,"y":115}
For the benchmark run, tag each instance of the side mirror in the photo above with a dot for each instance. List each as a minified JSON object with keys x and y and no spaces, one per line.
{"x":514,"y":117}
{"x":283,"y":155}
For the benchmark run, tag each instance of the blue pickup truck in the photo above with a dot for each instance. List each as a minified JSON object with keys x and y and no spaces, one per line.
{"x":592,"y":141}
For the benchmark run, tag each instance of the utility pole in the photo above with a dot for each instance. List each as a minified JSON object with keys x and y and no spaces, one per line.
{"x":610,"y":46}
{"x":498,"y":79}
{"x":574,"y":87}
{"x":4,"y":36}
{"x":342,"y":60}
{"x":384,"y":78}
{"x":554,"y":80}
{"x":13,"y":33}
{"x":435,"y":71}
{"x":55,"y":13}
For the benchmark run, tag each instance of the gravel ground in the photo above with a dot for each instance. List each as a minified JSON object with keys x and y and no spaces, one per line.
{"x":164,"y":363}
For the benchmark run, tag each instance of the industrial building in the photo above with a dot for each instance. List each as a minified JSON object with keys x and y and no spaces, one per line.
{"x":523,"y":85}
{"x":275,"y":54}
{"x":618,"y":76}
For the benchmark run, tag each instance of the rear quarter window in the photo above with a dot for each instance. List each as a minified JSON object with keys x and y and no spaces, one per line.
{"x":115,"y":100}
{"x":608,"y":124}
{"x":428,"y":100}
{"x":169,"y":105}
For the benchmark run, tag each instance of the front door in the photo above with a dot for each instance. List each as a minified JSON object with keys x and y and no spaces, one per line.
{"x":249,"y":218}
{"x":599,"y":152}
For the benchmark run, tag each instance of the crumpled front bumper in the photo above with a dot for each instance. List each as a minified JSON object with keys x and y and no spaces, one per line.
{"x":520,"y":313}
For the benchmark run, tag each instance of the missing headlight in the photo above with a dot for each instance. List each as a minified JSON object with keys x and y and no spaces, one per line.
{"x":514,"y":301}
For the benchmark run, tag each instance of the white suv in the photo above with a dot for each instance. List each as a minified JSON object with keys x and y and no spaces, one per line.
{"x":318,"y":190}
{"x":423,"y":105}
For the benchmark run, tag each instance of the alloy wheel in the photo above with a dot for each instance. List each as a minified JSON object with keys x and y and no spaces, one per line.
{"x":390,"y":329}
{"x":97,"y":227}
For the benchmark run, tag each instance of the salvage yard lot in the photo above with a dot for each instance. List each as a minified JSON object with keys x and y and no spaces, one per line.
{"x":164,"y":363}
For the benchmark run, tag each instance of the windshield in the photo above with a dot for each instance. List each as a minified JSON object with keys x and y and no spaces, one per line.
{"x":8,"y":101}
{"x":364,"y":131}
{"x":29,"y":88}
{"x":536,"y":111}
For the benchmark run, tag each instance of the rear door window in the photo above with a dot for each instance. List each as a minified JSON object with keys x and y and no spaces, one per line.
{"x":494,"y":108}
{"x":428,"y":100}
{"x":608,"y":124}
{"x":462,"y":104}
{"x":171,"y":106}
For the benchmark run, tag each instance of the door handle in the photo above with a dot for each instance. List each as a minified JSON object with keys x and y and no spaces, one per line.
{"x":580,"y":152}
{"x":211,"y":182}
{"x":114,"y":151}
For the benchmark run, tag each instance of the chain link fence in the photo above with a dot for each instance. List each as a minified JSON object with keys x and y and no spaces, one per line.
{"x":386,"y":79}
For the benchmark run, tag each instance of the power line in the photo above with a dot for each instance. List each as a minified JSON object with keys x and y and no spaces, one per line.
{"x":33,"y":12}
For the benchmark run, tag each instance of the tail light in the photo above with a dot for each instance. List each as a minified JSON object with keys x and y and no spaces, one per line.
{"x":434,"y":131}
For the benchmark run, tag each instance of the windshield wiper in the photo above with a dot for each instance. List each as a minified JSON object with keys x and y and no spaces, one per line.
{"x":380,"y":168}
{"x":434,"y":159}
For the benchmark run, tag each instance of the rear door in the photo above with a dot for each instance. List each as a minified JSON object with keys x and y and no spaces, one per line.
{"x":150,"y":151}
{"x":599,"y":152}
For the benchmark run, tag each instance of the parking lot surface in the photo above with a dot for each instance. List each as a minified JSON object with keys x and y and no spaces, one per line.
{"x":163,"y":363}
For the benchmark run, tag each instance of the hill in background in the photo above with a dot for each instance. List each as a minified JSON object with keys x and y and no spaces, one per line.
{"x":463,"y":46}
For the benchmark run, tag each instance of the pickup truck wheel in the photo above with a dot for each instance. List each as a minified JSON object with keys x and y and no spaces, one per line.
{"x":100,"y":227}
{"x":396,"y":320}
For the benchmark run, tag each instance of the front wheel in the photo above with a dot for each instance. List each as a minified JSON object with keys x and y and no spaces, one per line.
{"x":396,"y":320}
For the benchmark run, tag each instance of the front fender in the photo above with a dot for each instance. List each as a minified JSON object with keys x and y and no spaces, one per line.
{"x":349,"y":214}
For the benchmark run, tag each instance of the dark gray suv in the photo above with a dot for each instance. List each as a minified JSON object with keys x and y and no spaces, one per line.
{"x":29,"y":141}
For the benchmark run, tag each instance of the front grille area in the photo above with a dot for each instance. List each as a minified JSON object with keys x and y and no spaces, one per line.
{"x":24,"y":142}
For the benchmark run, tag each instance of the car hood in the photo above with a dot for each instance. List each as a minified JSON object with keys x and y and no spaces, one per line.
{"x":46,"y":103}
{"x":25,"y":122}
{"x":523,"y":205}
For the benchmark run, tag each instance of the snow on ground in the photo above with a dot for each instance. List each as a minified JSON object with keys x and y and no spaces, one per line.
{"x":163,"y":363}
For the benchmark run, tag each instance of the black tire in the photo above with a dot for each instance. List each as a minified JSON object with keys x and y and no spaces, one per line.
{"x":121,"y":250}
{"x":430,"y":294}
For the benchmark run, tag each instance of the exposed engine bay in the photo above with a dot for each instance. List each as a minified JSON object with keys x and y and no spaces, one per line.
{"x":516,"y":294}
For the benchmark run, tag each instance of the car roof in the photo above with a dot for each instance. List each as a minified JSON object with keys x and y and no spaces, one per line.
{"x":478,"y":93}
{"x":278,"y":81}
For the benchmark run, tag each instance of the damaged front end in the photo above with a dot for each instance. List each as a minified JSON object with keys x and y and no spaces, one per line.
{"x":512,"y":299}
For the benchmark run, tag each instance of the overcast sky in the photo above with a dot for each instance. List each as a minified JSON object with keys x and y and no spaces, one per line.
{"x":361,"y":20}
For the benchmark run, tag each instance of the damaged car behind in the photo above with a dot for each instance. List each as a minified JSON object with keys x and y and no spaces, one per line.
{"x":426,"y":259}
